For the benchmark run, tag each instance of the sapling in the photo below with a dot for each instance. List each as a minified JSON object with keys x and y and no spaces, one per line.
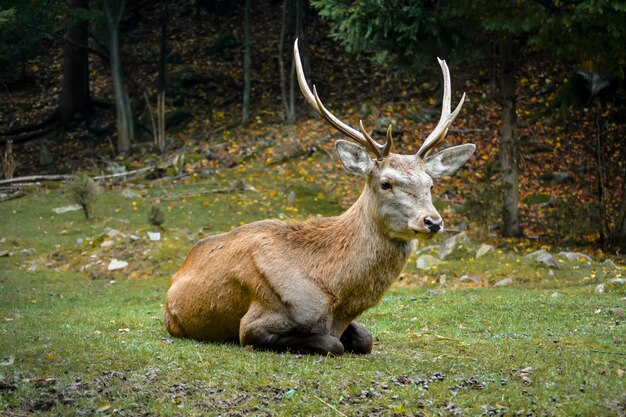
{"x":83,"y":190}
{"x":155,"y":216}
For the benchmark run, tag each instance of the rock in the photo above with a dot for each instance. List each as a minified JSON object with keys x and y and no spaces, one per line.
{"x":154,"y":236}
{"x":442,"y":280}
{"x":483,"y":250}
{"x":556,"y":294}
{"x":617,"y":312}
{"x":133,"y":237}
{"x":27,"y":252}
{"x":426,"y":249}
{"x":547,"y":260}
{"x":106,"y":244}
{"x":426,"y":262}
{"x":470,"y":279}
{"x":61,"y":210}
{"x":5,"y":253}
{"x":45,"y":157}
{"x":575,"y":256}
{"x":116,"y":264}
{"x":434,"y":292}
{"x":503,"y":283}
{"x":451,"y":243}
{"x":291,"y":197}
{"x":113,"y":233}
{"x":617,"y":281}
{"x":79,"y":240}
{"x":561,"y":177}
{"x":128,"y":193}
{"x":115,"y":168}
{"x":600,"y":289}
{"x":368,"y":109}
{"x":535,"y":254}
{"x":609,"y":263}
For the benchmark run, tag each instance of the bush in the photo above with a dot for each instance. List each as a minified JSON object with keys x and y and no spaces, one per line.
{"x":82,"y":190}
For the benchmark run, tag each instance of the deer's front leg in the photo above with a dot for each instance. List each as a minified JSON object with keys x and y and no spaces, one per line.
{"x":357,"y":339}
{"x":263,"y":329}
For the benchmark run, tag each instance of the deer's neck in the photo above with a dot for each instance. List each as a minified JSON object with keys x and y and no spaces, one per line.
{"x":371,"y":260}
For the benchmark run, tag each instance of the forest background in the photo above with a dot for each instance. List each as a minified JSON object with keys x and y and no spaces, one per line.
{"x":545,"y":80}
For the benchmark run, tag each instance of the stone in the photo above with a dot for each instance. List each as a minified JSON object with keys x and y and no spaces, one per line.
{"x":66,"y":209}
{"x":106,"y":244}
{"x":609,"y":263}
{"x":113,"y":233}
{"x":617,"y":281}
{"x":503,"y":283}
{"x":600,"y":289}
{"x":426,"y":262}
{"x":617,"y":312}
{"x":469,"y":279}
{"x":483,"y":250}
{"x":116,"y":264}
{"x":575,"y":256}
{"x":448,"y":246}
{"x":128,"y":193}
{"x":291,"y":197}
{"x":433,"y":292}
{"x":547,"y":260}
{"x":154,"y":236}
{"x":535,"y":254}
{"x":556,"y":295}
{"x":426,"y":249}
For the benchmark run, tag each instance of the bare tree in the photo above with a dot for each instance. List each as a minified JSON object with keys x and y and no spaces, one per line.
{"x":246,"y":62}
{"x":509,"y":153}
{"x":114,"y":11}
{"x":74,"y":98}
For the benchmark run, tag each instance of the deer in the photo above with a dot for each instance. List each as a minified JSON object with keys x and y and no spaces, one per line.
{"x":299,"y":286}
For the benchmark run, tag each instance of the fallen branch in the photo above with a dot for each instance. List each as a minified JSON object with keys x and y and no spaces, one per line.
{"x":65,"y":177}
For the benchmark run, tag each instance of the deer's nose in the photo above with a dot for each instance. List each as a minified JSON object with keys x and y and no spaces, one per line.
{"x":433,"y":224}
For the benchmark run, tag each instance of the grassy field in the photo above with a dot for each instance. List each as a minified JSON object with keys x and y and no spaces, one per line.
{"x":76,"y":339}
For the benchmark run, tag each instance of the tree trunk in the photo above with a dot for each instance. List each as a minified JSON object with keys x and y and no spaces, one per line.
{"x":114,"y":10}
{"x":299,"y":32}
{"x":509,"y":153}
{"x":74,"y":98}
{"x":290,"y":116}
{"x":246,"y":63}
{"x":163,"y":53}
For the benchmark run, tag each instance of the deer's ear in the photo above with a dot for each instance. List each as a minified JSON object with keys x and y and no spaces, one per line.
{"x":449,"y":160}
{"x":354,"y":158}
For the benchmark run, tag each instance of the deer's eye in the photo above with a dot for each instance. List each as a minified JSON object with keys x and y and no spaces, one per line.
{"x":386,"y":185}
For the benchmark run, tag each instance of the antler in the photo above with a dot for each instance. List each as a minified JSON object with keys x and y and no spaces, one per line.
{"x":362,"y":138}
{"x":446,"y":119}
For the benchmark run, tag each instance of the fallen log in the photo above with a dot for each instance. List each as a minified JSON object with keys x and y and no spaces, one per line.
{"x":65,"y":177}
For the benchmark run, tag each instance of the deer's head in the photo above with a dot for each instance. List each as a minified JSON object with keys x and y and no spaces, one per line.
{"x":398,"y":186}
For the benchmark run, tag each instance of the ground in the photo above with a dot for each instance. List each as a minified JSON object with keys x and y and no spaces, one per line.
{"x":81,"y":339}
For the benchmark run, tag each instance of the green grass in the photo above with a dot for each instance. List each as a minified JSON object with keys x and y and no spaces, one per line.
{"x":70,"y":344}
{"x":75,"y":344}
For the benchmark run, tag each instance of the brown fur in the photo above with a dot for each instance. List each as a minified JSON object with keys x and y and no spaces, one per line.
{"x":271,"y":279}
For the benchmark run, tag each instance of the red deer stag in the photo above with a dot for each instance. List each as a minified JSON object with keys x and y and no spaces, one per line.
{"x":298,"y":286}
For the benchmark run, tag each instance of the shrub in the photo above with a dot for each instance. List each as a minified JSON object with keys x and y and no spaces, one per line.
{"x":82,"y":190}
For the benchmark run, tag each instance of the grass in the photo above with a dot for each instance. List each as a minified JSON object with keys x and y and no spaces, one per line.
{"x":71,"y":344}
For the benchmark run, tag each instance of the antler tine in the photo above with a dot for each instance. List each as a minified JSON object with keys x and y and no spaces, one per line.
{"x":437,"y":135}
{"x":380,"y":149}
{"x":313,"y":99}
